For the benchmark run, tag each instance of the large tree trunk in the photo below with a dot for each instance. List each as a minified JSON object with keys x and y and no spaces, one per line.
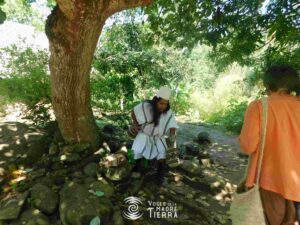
{"x":73,"y":29}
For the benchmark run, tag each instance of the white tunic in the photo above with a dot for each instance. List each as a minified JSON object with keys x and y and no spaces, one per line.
{"x":150,"y":141}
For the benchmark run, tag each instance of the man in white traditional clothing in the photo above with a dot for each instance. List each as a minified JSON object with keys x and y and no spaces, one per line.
{"x":153,"y":120}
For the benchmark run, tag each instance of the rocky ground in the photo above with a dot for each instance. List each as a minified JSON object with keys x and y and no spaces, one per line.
{"x":45,"y":181}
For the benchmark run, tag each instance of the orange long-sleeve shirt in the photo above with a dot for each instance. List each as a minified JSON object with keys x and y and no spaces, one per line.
{"x":281,"y":161}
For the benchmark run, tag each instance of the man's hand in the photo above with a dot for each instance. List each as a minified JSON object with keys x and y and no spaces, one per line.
{"x":172,"y":138}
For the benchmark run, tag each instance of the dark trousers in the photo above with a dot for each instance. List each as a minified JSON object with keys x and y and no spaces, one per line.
{"x":278,"y":211}
{"x":297,"y":205}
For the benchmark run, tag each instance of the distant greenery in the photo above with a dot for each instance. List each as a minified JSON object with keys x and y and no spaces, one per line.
{"x":213,"y":74}
{"x":22,"y":11}
{"x":25,"y":78}
{"x":231,"y":117}
{"x":2,"y":13}
{"x":134,"y":68}
{"x":26,"y":75}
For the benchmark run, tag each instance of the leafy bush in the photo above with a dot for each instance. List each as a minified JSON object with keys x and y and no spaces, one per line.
{"x":25,"y":78}
{"x":127,"y":69}
{"x":231,"y":118}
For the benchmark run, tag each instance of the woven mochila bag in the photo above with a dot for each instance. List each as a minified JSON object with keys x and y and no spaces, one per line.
{"x":246,"y":208}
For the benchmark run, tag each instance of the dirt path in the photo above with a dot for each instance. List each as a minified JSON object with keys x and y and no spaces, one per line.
{"x":224,"y":149}
{"x":228,"y":167}
{"x":191,"y":185}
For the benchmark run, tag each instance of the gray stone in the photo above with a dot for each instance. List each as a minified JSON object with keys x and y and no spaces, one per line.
{"x":68,"y":149}
{"x":206,"y":162}
{"x":182,"y":190}
{"x":60,"y":173}
{"x":117,"y":218}
{"x":20,"y":144}
{"x":37,"y":173}
{"x":109,"y":128}
{"x":91,"y":169}
{"x":118,"y":173}
{"x":78,"y":175}
{"x":78,"y":206}
{"x":70,"y":157}
{"x":136,"y":175}
{"x":11,"y":208}
{"x":57,"y":166}
{"x":37,"y":146}
{"x":53,"y":149}
{"x":3,"y":174}
{"x":44,"y":198}
{"x":51,"y":127}
{"x":192,"y":149}
{"x":48,"y":181}
{"x":100,"y":185}
{"x":203,"y":138}
{"x":203,"y":155}
{"x":32,"y":217}
{"x":59,"y":176}
{"x":58,"y":136}
{"x":55,"y":159}
{"x":181,"y":150}
{"x":214,"y":184}
{"x":102,"y":152}
{"x":82,"y":148}
{"x":44,"y":162}
{"x":191,"y":167}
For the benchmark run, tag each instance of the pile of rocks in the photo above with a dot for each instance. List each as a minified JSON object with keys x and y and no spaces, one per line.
{"x":73,"y":185}
{"x":65,"y":185}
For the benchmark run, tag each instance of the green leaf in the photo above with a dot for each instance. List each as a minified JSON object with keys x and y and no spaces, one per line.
{"x":95,"y":221}
{"x":28,"y":170}
{"x":99,"y":193}
{"x":2,"y":16}
{"x":2,"y":2}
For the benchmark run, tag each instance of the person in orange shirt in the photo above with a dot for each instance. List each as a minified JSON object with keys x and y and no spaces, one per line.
{"x":280,"y":173}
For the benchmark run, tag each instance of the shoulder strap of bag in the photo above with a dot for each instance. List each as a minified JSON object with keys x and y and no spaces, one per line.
{"x":262,"y":142}
{"x":263,"y":138}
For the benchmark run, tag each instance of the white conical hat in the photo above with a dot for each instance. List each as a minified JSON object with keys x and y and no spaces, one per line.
{"x":164,"y":92}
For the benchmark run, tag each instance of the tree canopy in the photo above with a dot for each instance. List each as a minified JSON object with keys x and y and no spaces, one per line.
{"x":235,"y":29}
{"x":2,"y":14}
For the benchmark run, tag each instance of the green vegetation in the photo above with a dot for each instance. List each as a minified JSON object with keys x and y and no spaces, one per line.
{"x":214,"y":75}
{"x":25,"y":78}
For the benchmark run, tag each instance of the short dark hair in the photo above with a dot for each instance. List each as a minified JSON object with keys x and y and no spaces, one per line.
{"x":282,"y":77}
{"x":156,"y":113}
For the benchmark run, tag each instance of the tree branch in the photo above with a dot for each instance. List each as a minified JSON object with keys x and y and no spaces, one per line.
{"x":119,"y":5}
{"x":67,"y":7}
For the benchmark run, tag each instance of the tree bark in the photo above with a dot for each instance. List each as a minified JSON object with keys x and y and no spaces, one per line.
{"x":73,"y":29}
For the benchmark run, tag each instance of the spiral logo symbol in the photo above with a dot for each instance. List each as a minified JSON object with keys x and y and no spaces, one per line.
{"x":132,"y":212}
